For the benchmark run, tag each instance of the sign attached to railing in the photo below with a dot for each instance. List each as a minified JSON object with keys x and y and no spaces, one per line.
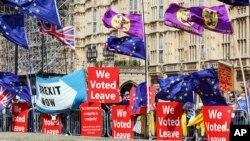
{"x":51,"y":124}
{"x":217,"y":122}
{"x":168,"y":122}
{"x":103,"y":84}
{"x":122,"y":123}
{"x":20,"y":117}
{"x":91,"y":119}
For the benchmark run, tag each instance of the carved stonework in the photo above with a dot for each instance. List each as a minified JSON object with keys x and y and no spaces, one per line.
{"x":135,"y":74}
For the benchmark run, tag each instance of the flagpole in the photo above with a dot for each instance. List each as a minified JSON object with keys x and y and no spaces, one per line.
{"x":42,"y":53}
{"x":243,"y":75}
{"x":29,"y":81}
{"x":16,"y":59}
{"x":146,"y":66}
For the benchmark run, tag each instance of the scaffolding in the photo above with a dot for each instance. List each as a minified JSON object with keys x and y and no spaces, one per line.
{"x":45,"y":54}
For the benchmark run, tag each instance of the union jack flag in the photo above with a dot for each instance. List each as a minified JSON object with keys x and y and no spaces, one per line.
{"x":65,"y":34}
{"x":5,"y":97}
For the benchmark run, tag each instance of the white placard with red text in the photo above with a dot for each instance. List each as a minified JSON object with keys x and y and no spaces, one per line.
{"x":217,"y":121}
{"x":20,"y":117}
{"x":51,"y":126}
{"x":91,"y":119}
{"x":168,"y":122}
{"x":103,"y":84}
{"x":122,"y":123}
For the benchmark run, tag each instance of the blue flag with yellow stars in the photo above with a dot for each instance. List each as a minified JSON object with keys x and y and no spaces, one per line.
{"x":7,"y":77}
{"x":12,"y":28}
{"x":140,"y":96}
{"x":236,"y":2}
{"x":206,"y":84}
{"x":45,"y":10}
{"x":127,"y":45}
{"x":176,"y":88}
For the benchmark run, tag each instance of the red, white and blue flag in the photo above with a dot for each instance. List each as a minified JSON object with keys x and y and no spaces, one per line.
{"x":65,"y":34}
{"x":5,"y":97}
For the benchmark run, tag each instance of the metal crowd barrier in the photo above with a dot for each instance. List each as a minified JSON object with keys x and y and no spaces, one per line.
{"x":5,"y":120}
{"x":109,"y":123}
{"x":37,"y":125}
{"x":75,"y":123}
{"x":240,"y":117}
{"x":71,"y":123}
{"x":104,"y":125}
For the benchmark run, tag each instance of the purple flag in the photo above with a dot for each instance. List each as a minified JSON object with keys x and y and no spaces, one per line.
{"x":177,"y":16}
{"x":212,"y":18}
{"x":128,"y":23}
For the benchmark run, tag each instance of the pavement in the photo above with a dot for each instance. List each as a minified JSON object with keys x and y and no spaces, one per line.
{"x":12,"y":136}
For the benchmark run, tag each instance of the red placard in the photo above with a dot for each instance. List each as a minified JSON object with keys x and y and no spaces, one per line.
{"x":51,"y":126}
{"x":20,"y":117}
{"x":225,"y":75}
{"x":103,"y":84}
{"x":91,"y":119}
{"x":152,"y":93}
{"x":217,"y":122}
{"x":122,"y":123}
{"x":168,"y":122}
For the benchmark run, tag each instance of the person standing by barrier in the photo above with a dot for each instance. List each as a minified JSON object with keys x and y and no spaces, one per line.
{"x":242,"y":116}
{"x":232,"y":100}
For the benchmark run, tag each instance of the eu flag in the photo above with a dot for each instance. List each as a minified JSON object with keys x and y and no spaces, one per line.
{"x":140,"y":96}
{"x":19,"y":88}
{"x":45,"y":10}
{"x":127,"y":45}
{"x":176,"y":88}
{"x":236,"y":2}
{"x":7,"y":77}
{"x":206,"y":84}
{"x":23,"y":91}
{"x":12,"y":28}
{"x":10,"y":82}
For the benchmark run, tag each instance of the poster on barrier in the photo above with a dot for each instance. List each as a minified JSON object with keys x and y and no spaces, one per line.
{"x":103,"y":84}
{"x":20,"y":117}
{"x":122,"y":123}
{"x":168,"y":122}
{"x":217,"y":122}
{"x":91,"y":119}
{"x":51,"y":124}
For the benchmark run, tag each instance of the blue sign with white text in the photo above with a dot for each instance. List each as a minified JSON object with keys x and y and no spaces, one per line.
{"x":60,"y":94}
